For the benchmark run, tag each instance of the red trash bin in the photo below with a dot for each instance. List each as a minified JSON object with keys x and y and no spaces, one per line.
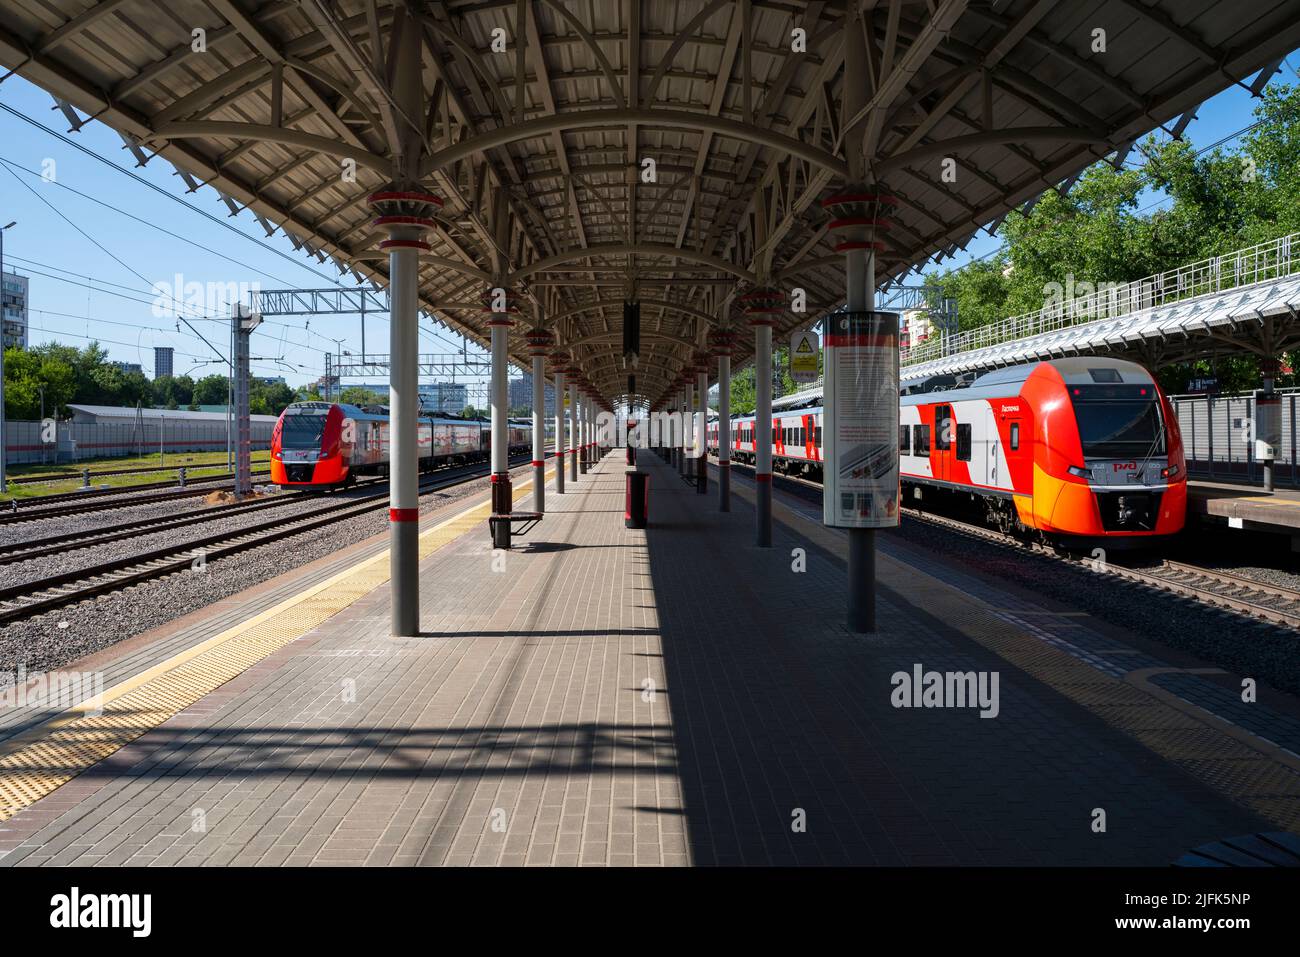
{"x":636,"y":508}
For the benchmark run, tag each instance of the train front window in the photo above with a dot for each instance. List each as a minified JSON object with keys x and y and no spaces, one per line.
{"x":1118,"y":422}
{"x":302,"y":431}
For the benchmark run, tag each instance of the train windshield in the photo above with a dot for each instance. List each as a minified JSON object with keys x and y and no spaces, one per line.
{"x":302,"y":431}
{"x":1118,"y":422}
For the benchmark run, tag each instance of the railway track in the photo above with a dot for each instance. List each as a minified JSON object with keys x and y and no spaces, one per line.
{"x":78,"y":503}
{"x":73,"y":541}
{"x":1271,"y":603}
{"x":34,"y":598}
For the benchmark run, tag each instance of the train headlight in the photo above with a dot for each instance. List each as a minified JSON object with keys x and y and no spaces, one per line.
{"x":1081,"y":472}
{"x":1170,"y":472}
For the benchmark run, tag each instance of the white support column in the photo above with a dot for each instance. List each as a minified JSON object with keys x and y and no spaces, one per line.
{"x":403,"y":408}
{"x":537,"y":343}
{"x":702,"y":428}
{"x":722,"y":340}
{"x":588,"y":420}
{"x":574,"y":457}
{"x":763,"y":428}
{"x":683,"y":431}
{"x":560,"y":443}
{"x":405,"y":210}
{"x":579,"y":435}
{"x":688,"y":424}
{"x":502,"y":497}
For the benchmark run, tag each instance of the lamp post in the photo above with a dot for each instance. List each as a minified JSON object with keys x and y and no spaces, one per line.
{"x":4,"y":452}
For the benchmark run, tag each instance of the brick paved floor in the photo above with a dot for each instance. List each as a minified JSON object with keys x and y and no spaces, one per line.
{"x":606,"y":696}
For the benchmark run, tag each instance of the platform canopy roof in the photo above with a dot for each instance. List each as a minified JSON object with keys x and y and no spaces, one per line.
{"x":540,"y":114}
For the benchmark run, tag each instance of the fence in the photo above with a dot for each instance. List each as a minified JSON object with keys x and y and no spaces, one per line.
{"x":76,"y":442}
{"x":1217,"y":437}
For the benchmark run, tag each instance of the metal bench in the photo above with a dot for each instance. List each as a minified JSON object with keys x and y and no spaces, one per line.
{"x":526,"y":522}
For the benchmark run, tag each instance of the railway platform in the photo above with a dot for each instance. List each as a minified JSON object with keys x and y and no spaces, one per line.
{"x":1246,"y":507}
{"x":667,"y":696}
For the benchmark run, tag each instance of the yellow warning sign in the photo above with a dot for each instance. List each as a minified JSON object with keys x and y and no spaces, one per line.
{"x":804,"y":354}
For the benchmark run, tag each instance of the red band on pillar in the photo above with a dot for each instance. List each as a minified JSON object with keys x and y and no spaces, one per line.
{"x":536,"y":462}
{"x":404,"y":244}
{"x":403,"y":514}
{"x":763,"y":477}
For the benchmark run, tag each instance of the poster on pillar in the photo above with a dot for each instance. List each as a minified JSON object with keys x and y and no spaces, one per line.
{"x":860,"y":420}
{"x":804,"y":356}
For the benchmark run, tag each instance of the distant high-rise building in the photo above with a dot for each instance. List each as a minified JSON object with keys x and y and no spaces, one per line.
{"x":13,"y":310}
{"x":162,"y":361}
{"x":444,"y":396}
{"x":521,"y":394}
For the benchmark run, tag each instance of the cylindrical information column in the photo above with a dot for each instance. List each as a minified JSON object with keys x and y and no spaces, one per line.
{"x":860,"y":400}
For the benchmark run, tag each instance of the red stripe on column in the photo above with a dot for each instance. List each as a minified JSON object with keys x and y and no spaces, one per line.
{"x":536,"y":462}
{"x":403,"y":514}
{"x":763,"y":477}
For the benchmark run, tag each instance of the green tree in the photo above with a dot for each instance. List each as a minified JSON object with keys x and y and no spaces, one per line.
{"x":210,"y":390}
{"x":268,"y":398}
{"x":359,"y":395}
{"x":173,"y":392}
{"x":30,"y":372}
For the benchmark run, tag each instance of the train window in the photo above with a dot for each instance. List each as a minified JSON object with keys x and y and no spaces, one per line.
{"x":904,"y":439}
{"x":942,"y":427}
{"x":1015,"y":436}
{"x":302,"y":431}
{"x":803,"y":436}
{"x":963,"y":442}
{"x":921,"y":440}
{"x":819,"y":436}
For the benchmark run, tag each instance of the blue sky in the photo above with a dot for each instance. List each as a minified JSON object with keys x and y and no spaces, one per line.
{"x":80,"y":291}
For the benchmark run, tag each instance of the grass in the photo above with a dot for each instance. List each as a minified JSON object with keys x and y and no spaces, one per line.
{"x":196,"y":464}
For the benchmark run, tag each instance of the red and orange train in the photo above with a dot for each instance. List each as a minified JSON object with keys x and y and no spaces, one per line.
{"x":330,"y":444}
{"x":1078,"y":449}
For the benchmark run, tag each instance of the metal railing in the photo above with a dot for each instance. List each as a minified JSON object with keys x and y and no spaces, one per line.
{"x":1234,"y":270}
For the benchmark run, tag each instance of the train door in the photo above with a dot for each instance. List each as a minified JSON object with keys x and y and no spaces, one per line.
{"x":941,"y":457}
{"x":989,"y":444}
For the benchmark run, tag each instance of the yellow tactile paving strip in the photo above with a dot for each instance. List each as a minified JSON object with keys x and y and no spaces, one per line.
{"x":1232,"y":761}
{"x":38,"y":761}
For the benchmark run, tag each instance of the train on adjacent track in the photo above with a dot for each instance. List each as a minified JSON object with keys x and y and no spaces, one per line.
{"x":328,"y":444}
{"x":1077,"y":450}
